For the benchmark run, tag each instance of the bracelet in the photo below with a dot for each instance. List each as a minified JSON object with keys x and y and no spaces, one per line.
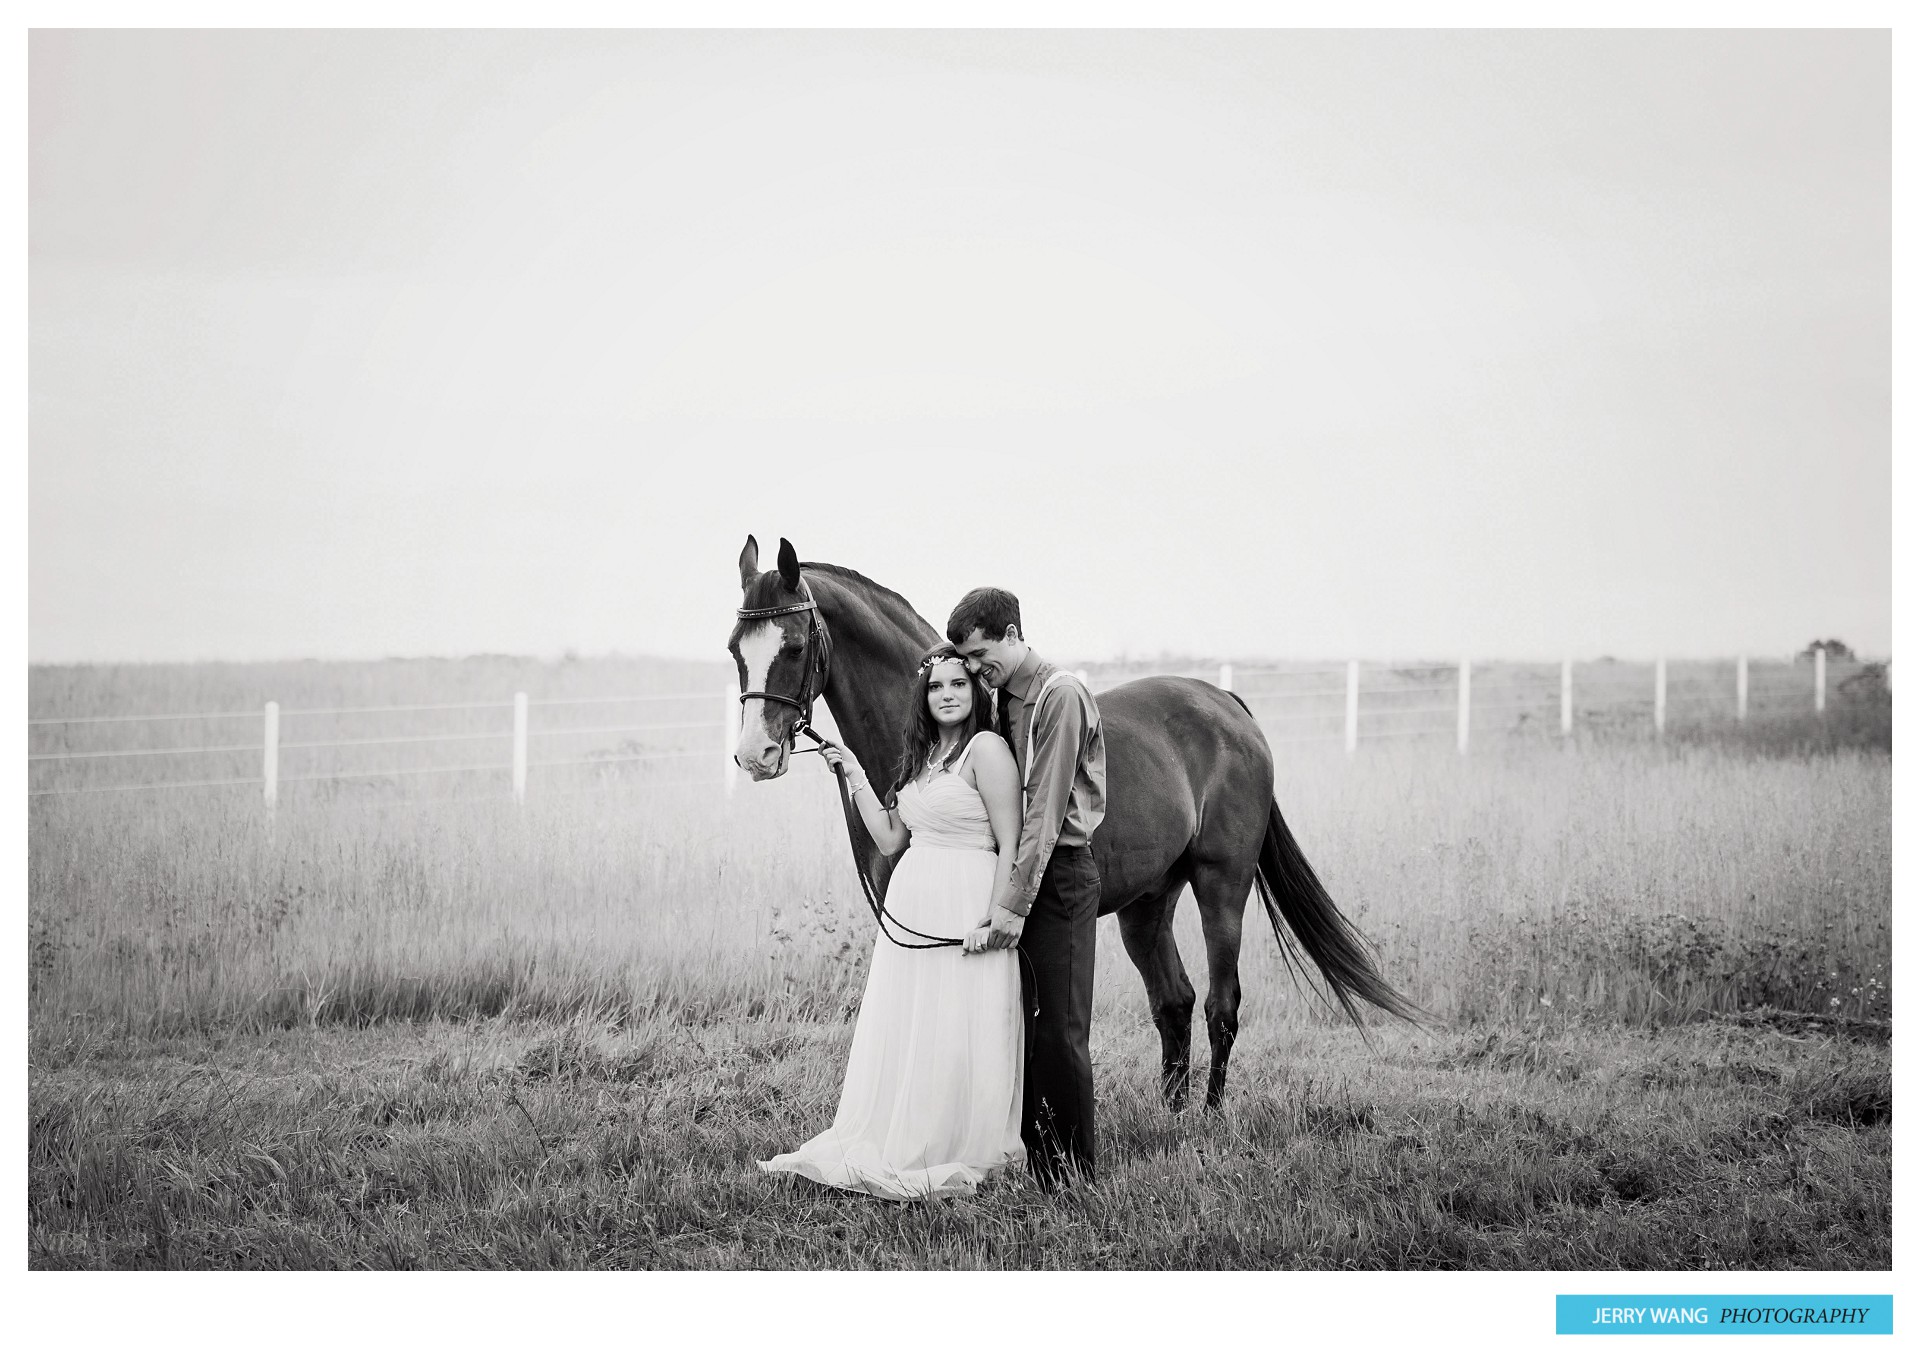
{"x":861,"y":787}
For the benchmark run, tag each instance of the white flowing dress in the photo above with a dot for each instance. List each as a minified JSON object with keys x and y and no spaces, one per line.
{"x":931,"y":1100}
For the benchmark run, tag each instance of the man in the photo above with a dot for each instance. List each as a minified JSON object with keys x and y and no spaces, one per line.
{"x":1053,"y":726}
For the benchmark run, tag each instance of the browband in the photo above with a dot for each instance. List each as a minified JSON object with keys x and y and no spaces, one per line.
{"x":807,"y":604}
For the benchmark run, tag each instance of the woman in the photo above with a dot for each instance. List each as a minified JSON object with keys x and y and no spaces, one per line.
{"x":931,"y":1100}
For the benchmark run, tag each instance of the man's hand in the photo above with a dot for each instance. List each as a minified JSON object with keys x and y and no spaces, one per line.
{"x":1004,"y":928}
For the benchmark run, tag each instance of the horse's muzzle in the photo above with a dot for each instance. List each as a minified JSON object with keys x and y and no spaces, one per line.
{"x":770,"y":763}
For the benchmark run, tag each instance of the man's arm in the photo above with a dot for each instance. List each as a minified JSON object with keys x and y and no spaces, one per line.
{"x":1059,"y":724}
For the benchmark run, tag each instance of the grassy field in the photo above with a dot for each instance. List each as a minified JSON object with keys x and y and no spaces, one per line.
{"x":406,"y":1026}
{"x":508,"y":1143}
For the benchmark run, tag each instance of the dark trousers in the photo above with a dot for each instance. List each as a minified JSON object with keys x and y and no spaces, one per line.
{"x":1058,"y":974}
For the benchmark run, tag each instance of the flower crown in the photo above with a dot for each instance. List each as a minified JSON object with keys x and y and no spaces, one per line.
{"x":933,"y":661}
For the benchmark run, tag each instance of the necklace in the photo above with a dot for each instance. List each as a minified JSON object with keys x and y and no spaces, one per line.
{"x":936,"y":758}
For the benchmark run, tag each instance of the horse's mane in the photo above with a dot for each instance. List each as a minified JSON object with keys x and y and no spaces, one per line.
{"x":880,"y":595}
{"x":848,"y":574}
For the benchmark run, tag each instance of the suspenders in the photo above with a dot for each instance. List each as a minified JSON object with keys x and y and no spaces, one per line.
{"x":1033,"y":720}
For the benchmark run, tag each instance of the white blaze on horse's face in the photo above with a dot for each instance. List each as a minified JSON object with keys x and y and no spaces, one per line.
{"x":758,"y":751}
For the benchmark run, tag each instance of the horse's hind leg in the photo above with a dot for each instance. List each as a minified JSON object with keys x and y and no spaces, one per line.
{"x":1221,"y":892}
{"x":1146,"y":927}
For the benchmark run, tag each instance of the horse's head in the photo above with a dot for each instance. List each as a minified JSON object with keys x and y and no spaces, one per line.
{"x":780,"y":647}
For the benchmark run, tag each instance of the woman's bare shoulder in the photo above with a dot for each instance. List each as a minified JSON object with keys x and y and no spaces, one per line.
{"x":989,"y":748}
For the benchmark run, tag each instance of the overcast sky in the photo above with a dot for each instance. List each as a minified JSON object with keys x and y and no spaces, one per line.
{"x":1239,"y":344}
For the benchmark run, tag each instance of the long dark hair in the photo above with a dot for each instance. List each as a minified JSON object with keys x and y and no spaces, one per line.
{"x":923,"y":733}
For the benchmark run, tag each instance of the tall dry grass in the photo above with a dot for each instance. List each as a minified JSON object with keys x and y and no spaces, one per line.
{"x":1617,"y":880}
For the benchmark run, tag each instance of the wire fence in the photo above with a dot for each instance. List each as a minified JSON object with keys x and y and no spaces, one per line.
{"x":594,"y":743}
{"x":1330,"y":704}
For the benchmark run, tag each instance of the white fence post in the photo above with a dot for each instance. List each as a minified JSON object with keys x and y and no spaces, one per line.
{"x":520,"y":747}
{"x":1566,"y":696}
{"x":1466,"y":700}
{"x":1820,"y":680}
{"x":1659,"y":696}
{"x":1353,"y":706}
{"x":731,"y":713}
{"x":1226,"y":675}
{"x":270,"y":757}
{"x":1740,"y":689}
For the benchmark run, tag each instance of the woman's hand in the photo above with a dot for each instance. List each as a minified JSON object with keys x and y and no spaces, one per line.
{"x":976,"y":940}
{"x":837,"y":759}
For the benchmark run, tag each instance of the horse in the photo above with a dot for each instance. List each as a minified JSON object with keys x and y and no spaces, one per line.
{"x":1189,"y":796}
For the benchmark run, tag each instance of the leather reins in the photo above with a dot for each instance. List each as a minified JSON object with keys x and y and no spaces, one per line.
{"x":815,"y":664}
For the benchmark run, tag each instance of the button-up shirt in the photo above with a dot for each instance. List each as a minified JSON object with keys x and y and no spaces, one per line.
{"x":1066,"y":785}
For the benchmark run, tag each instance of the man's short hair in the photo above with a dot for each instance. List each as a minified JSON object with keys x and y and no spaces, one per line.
{"x":988,"y":609}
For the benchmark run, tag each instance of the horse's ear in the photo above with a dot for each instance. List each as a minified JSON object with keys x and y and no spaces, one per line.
{"x":749,"y":562}
{"x":789,"y":566}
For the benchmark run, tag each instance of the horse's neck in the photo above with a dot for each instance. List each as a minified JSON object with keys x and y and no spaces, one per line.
{"x":877,"y":641}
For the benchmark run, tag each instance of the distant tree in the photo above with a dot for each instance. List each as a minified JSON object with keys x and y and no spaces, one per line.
{"x":1833,"y":647}
{"x":1869,"y":681}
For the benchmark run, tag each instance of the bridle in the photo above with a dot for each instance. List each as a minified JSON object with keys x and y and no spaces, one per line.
{"x":814,"y":666}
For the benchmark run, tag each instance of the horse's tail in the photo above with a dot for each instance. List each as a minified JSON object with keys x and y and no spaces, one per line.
{"x":1306,"y":921}
{"x":1314,"y":925}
